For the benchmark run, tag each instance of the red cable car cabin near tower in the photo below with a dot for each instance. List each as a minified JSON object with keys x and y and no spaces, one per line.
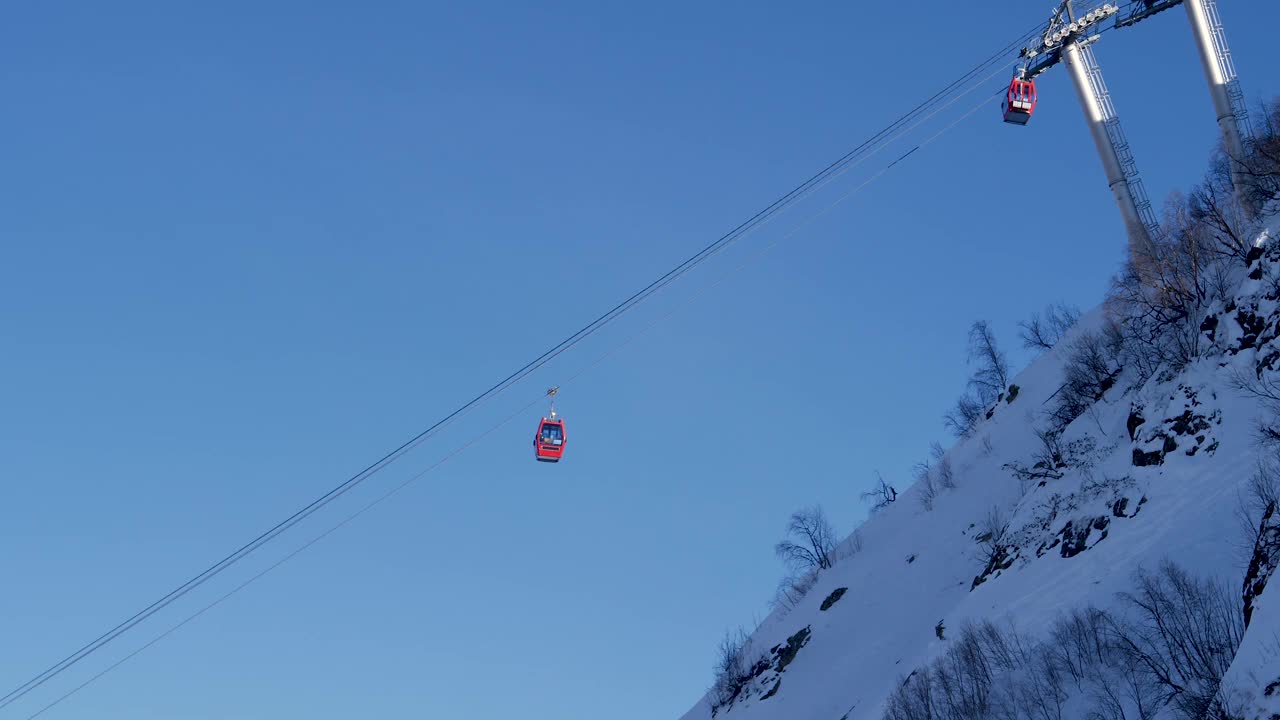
{"x":1020,"y":101}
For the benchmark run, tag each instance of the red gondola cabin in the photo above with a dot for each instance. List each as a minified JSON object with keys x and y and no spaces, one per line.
{"x":549,"y":442}
{"x":1020,"y":102}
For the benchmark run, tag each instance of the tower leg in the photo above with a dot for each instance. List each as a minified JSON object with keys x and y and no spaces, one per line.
{"x":1220,"y":72}
{"x":1098,"y":114}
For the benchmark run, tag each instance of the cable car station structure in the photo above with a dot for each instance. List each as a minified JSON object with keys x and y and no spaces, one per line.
{"x":1069,"y":38}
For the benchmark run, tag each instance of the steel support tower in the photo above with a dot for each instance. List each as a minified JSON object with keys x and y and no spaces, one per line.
{"x":1069,"y":38}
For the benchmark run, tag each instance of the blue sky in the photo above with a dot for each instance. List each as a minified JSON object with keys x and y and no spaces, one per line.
{"x":248,"y":249}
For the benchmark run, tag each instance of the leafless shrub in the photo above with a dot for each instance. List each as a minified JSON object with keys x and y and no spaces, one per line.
{"x":1113,"y":487}
{"x":928,"y":489}
{"x":964,"y":417}
{"x":1046,"y":329}
{"x":993,"y":538}
{"x":946,"y":475}
{"x":1092,"y":366}
{"x":913,"y":698}
{"x":964,"y":684}
{"x":733,"y":669}
{"x":792,"y":589}
{"x":853,"y":545}
{"x":881,"y":496}
{"x":1167,"y":652}
{"x":809,"y":541}
{"x":1048,"y":461}
{"x":1165,"y":290}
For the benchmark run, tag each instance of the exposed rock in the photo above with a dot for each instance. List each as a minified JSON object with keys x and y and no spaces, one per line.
{"x":833,"y":598}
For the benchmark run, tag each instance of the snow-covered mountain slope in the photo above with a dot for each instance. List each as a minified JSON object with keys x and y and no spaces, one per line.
{"x":1153,"y":471}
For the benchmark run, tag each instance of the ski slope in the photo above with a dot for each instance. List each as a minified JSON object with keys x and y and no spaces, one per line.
{"x":1080,"y":538}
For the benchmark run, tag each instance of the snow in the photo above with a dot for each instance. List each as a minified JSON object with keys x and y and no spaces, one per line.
{"x":1183,"y":510}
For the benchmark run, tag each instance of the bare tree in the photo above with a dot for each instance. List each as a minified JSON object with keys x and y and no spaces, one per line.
{"x":1214,"y":206}
{"x":1046,"y":329}
{"x":1182,"y":636}
{"x":1262,"y":387}
{"x":1163,"y":656}
{"x":1261,"y":164}
{"x":965,"y":416}
{"x":987,"y":385}
{"x":880,"y":496}
{"x":809,"y":541}
{"x":1079,"y":643}
{"x":991,"y":378}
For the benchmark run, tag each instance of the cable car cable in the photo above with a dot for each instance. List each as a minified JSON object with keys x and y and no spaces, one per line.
{"x":582,"y":371}
{"x":347,"y":485}
{"x":292,"y":554}
{"x":590,"y":328}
